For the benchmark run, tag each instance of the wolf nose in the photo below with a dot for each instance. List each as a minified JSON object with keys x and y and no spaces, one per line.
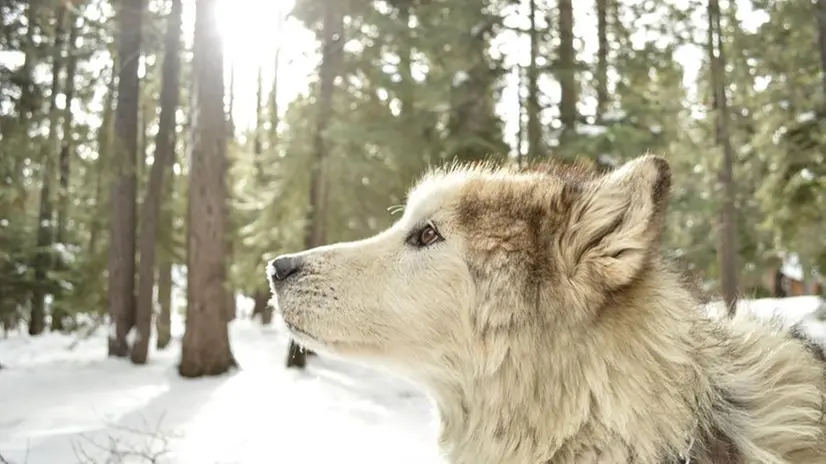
{"x":284,"y":266}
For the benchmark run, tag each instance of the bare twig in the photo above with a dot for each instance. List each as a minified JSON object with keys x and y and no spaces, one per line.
{"x":153,"y":445}
{"x":5,"y":460}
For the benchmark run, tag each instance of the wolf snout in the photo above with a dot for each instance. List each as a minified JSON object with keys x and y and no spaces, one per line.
{"x":282,"y":267}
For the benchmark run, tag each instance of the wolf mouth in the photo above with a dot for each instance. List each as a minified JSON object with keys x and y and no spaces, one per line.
{"x":298,"y":331}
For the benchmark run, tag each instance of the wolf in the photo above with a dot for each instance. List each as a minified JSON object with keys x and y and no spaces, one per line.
{"x":537,"y":310}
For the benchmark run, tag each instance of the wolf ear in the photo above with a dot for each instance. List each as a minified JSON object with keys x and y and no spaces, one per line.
{"x":617,"y":220}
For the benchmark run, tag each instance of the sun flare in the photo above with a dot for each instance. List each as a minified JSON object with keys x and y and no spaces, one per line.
{"x":252,"y":33}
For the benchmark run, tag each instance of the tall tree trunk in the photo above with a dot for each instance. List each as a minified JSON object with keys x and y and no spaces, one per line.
{"x":407,"y":95}
{"x":15,"y":169}
{"x":104,"y":143}
{"x":45,"y":226}
{"x":27,"y":104}
{"x":261,"y":296}
{"x":534,"y":129}
{"x":163,"y":323}
{"x":205,"y":349}
{"x":728,"y":225}
{"x":520,"y":122}
{"x":260,"y":306}
{"x":229,"y":232}
{"x":274,"y":118}
{"x":411,"y":121}
{"x":332,"y":47}
{"x":124,"y":186}
{"x":67,"y":145}
{"x":820,"y":14}
{"x":257,"y":147}
{"x":567,"y":72}
{"x":144,"y":118}
{"x":151,"y":208}
{"x":58,"y":313}
{"x":231,"y":109}
{"x":231,"y":307}
{"x":602,"y":58}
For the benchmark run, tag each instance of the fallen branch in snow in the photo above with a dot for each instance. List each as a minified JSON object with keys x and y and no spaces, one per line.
{"x":151,"y":445}
{"x":4,"y":460}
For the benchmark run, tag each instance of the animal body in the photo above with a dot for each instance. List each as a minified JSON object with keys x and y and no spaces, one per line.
{"x":537,"y":310}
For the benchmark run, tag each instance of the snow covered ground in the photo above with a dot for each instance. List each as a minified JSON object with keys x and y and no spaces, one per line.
{"x":789,"y":310}
{"x":60,"y":405}
{"x":68,"y":406}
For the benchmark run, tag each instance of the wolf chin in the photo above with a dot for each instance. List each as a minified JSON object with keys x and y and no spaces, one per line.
{"x":536,"y":309}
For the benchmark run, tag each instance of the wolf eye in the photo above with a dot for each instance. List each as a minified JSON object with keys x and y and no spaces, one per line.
{"x":424,"y":237}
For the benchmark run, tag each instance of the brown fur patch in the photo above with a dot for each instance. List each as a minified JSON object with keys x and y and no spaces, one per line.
{"x":576,"y":170}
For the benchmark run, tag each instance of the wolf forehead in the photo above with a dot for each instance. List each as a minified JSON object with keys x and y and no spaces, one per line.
{"x":521,"y":209}
{"x":489,"y":192}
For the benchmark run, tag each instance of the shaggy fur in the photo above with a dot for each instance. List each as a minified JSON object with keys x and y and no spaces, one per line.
{"x":548,"y":328}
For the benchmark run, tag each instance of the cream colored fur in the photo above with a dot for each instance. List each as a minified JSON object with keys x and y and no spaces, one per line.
{"x":548,"y":329}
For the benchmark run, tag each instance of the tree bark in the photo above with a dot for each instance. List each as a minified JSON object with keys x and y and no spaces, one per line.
{"x":231,"y":108}
{"x":164,"y":152}
{"x":260,"y":306}
{"x":520,"y":122}
{"x":144,"y":118}
{"x":163,"y":323}
{"x":274,"y":118}
{"x":602,"y":58}
{"x":257,"y":147}
{"x":257,"y":150}
{"x":406,"y":93}
{"x":332,"y":47}
{"x":205,"y":349}
{"x":59,"y":314}
{"x":45,"y":226}
{"x":104,"y":143}
{"x":25,"y":107}
{"x":534,"y":129}
{"x":123,"y":190}
{"x":231,"y":307}
{"x":567,"y":72}
{"x":26,"y":103}
{"x":67,"y":145}
{"x":820,"y":14}
{"x":261,"y":297}
{"x":728,"y":226}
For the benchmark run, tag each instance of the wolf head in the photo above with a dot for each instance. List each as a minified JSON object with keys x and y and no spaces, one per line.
{"x":482,"y":256}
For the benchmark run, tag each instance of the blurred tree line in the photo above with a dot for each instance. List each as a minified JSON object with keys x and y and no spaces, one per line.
{"x":106,"y":174}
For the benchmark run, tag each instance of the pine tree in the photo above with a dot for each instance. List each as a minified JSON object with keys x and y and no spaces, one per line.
{"x":123,"y":203}
{"x":205,"y":350}
{"x":164,"y":155}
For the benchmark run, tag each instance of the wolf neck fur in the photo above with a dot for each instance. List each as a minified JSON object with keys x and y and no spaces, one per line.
{"x":574,"y":386}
